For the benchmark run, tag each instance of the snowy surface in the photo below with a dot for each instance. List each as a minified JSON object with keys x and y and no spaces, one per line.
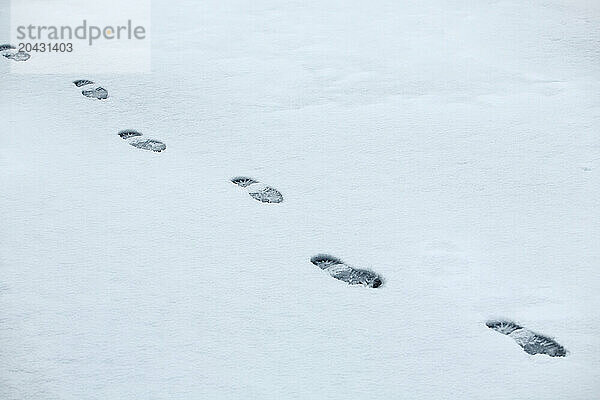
{"x":450,"y":146}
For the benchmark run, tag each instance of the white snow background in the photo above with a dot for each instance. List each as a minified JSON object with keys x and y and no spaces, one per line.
{"x":451,"y":146}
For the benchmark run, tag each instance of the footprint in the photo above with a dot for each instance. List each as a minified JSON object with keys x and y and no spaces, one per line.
{"x":343,"y":272}
{"x":243,"y":181}
{"x":18,"y":56}
{"x":7,"y":50}
{"x":264,"y":193}
{"x":82,"y":82}
{"x":258,"y":191}
{"x":531,"y":342}
{"x":134,"y":138}
{"x":91,"y":90}
{"x":129,"y":133}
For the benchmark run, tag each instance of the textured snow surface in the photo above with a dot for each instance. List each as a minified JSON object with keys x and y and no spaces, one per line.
{"x":453,"y":147}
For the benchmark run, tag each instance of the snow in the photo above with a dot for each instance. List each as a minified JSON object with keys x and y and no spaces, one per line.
{"x":451,"y":147}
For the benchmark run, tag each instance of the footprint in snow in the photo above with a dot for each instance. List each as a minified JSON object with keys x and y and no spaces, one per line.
{"x":9,"y":51}
{"x":135,"y":139}
{"x":258,"y":191}
{"x":91,"y":90}
{"x":346,"y":273}
{"x":531,"y":342}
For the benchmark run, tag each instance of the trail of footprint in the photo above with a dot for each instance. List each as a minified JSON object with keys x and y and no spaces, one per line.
{"x":91,"y":90}
{"x":343,"y":272}
{"x":258,"y":191}
{"x":531,"y":342}
{"x":8,"y":51}
{"x":134,"y":138}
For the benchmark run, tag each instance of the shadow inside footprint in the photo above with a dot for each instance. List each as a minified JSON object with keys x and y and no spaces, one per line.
{"x":531,"y":342}
{"x":346,"y":273}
